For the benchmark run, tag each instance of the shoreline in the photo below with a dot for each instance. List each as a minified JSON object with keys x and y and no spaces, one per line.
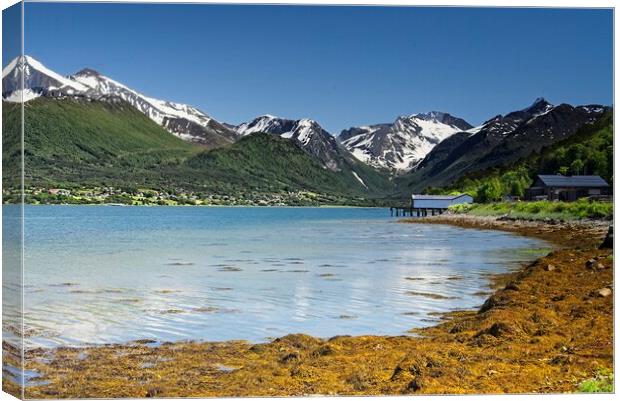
{"x":205,"y":206}
{"x":527,"y":337}
{"x":570,"y":233}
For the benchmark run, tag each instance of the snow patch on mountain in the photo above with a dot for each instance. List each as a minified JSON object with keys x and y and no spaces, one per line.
{"x":475,"y":129}
{"x":64,"y":82}
{"x":20,"y":96}
{"x":156,"y":109}
{"x":359,"y":179}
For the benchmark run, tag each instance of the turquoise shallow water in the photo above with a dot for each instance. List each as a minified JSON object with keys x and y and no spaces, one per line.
{"x":102,"y":274}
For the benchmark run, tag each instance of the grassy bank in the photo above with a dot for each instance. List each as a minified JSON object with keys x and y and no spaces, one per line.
{"x":541,"y":210}
{"x":546,"y":328}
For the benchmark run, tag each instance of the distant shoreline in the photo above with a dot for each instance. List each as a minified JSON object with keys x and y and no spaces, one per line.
{"x":203,"y":206}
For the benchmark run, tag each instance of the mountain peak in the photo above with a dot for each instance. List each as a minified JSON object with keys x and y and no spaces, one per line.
{"x":88,"y":72}
{"x":307,"y":122}
{"x":540,"y":105}
{"x":540,"y":99}
{"x":25,"y":59}
{"x":37,"y":78}
{"x":431,"y":116}
{"x":444,"y":118}
{"x":17,"y":61}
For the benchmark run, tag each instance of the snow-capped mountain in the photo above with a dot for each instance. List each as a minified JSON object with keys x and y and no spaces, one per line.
{"x":38,"y":80}
{"x":310,"y":136}
{"x":401,"y":145}
{"x":182,"y":120}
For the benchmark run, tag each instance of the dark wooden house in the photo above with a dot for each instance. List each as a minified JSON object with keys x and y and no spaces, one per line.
{"x":566,"y":188}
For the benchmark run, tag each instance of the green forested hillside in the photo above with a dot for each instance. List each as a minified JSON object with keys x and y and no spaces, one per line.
{"x":87,"y":144}
{"x":587,"y":152}
{"x":263,"y":161}
{"x":72,"y":142}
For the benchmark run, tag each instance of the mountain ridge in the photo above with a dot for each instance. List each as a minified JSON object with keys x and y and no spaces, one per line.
{"x":179,"y":119}
{"x":419,"y":150}
{"x":500,"y":140}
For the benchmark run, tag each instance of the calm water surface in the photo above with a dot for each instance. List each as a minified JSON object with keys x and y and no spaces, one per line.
{"x":101,"y":274}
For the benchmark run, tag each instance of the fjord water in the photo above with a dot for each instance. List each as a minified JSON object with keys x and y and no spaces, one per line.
{"x":103,"y":274}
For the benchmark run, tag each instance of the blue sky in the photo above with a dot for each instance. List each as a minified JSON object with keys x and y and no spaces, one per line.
{"x":343,"y":66}
{"x":11,"y":33}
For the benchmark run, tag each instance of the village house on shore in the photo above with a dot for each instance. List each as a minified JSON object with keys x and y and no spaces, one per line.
{"x":567,"y":188}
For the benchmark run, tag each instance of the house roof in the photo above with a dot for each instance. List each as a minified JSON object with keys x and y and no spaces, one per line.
{"x":437,"y":197}
{"x":573,"y":181}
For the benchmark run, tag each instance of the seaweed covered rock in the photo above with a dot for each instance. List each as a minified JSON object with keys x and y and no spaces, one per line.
{"x":608,"y":242}
{"x":298,"y":341}
{"x":493,"y":302}
{"x":497,"y":330}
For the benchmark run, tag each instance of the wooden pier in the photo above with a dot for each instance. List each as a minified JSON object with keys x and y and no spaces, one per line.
{"x":400,"y":211}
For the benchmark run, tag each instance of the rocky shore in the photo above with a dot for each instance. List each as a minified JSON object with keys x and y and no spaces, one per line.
{"x":545,"y":329}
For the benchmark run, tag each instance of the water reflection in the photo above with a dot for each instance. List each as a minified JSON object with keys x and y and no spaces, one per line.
{"x":106,"y":275}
